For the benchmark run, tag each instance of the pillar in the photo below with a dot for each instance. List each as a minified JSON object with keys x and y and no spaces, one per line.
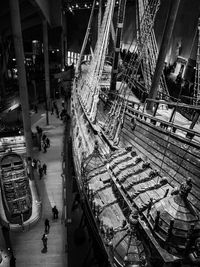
{"x":23,"y":90}
{"x":46,"y":67}
{"x":171,"y":18}
{"x":63,"y":40}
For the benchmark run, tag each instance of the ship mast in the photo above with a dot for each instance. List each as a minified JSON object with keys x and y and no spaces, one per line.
{"x":86,"y":38}
{"x":150,"y":53}
{"x":115,"y":118}
{"x":89,"y":91}
{"x":171,"y":18}
{"x":119,"y":30}
{"x":197,"y":72}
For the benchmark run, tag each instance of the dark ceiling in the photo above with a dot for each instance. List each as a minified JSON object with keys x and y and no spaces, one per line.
{"x":77,"y":20}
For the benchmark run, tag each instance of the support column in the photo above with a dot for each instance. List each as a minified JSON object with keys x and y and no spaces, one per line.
{"x":120,"y":21}
{"x":63,"y":39}
{"x":171,"y":18}
{"x":19,"y":53}
{"x":46,"y":67}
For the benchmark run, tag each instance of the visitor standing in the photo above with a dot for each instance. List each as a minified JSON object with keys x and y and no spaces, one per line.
{"x":40,"y":172}
{"x":55,"y":212}
{"x":47,"y":226}
{"x":47,"y":141}
{"x":44,"y":240}
{"x":44,"y":168}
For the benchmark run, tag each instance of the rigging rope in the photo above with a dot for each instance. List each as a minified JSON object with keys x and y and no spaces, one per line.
{"x":146,"y":24}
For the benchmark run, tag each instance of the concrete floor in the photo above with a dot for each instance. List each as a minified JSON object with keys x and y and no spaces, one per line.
{"x":27,"y":246}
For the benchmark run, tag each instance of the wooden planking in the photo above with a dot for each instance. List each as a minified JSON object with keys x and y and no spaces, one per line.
{"x":189,"y":167}
{"x":174,"y":179}
{"x":172,"y":162}
{"x":181,"y":165}
{"x":129,"y":138}
{"x":190,"y":164}
{"x":180,"y":145}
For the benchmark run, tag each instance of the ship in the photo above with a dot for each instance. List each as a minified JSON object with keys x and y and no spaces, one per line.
{"x":137,"y":171}
{"x":15,"y":190}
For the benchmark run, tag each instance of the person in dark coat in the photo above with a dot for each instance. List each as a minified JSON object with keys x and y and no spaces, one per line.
{"x":44,"y":137}
{"x":44,"y":166}
{"x":40,"y":172}
{"x":44,"y":146}
{"x":12,"y":261}
{"x":39,"y":136}
{"x":34,"y":163}
{"x":55,"y":212}
{"x":47,"y":225}
{"x":47,"y":141}
{"x":44,"y":240}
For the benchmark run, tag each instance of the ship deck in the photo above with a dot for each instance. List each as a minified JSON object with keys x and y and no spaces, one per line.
{"x":163,"y":112}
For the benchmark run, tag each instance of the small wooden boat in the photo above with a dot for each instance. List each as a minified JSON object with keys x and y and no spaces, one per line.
{"x":16,"y":193}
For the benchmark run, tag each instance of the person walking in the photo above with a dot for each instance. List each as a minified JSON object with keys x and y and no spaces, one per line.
{"x":47,"y":226}
{"x":44,"y":137}
{"x":12,"y":260}
{"x":40,"y":172}
{"x":34,"y":163}
{"x":44,"y":240}
{"x":63,"y":103}
{"x":39,"y":136}
{"x":57,"y":112}
{"x":38,"y":164}
{"x":55,"y":212}
{"x":44,"y":147}
{"x":44,"y":168}
{"x":47,"y":141}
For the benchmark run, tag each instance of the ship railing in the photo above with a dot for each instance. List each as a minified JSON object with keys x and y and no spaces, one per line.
{"x":164,"y":125}
{"x":138,"y":109}
{"x":176,"y":106}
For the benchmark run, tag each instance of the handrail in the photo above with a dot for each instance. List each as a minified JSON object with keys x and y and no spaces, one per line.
{"x":181,"y":105}
{"x":170,"y":124}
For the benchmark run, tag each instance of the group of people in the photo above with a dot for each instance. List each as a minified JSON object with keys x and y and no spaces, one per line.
{"x":43,"y":140}
{"x":47,"y":228}
{"x":45,"y":143}
{"x":62,"y":114}
{"x":41,"y":168}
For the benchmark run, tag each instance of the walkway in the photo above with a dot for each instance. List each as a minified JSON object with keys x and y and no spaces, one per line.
{"x":27,"y":246}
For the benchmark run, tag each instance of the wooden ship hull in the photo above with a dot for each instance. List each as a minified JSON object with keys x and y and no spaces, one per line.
{"x":137,"y":171}
{"x":109,"y":221}
{"x":149,"y":162}
{"x":16,"y":193}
